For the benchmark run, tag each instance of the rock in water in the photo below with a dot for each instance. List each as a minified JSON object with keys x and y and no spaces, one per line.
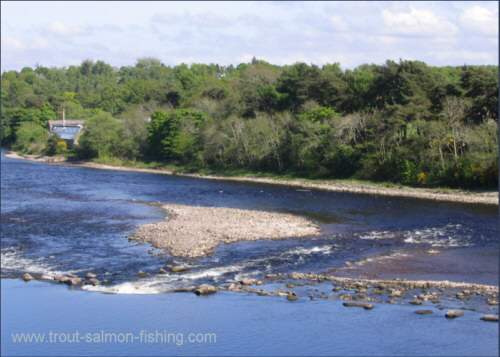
{"x":492,"y":318}
{"x":162,"y":271}
{"x":359,"y":304}
{"x":61,"y":279}
{"x":177,"y":269}
{"x":292,"y":297}
{"x":91,"y":276}
{"x":424,"y":312}
{"x":27,"y":277}
{"x":416,"y":302}
{"x":93,"y":282}
{"x":185,"y":289}
{"x":451,"y":314}
{"x":74,"y":281}
{"x":46,"y":277}
{"x":247,"y":281}
{"x":205,"y":289}
{"x":141,"y":274}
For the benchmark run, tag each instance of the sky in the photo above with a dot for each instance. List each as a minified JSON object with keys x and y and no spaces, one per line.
{"x":64,"y":33}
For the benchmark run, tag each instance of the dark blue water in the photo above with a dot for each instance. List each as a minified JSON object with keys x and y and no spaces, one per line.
{"x":58,"y":219}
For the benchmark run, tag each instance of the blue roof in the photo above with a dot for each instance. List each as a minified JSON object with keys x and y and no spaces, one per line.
{"x":66,"y":132}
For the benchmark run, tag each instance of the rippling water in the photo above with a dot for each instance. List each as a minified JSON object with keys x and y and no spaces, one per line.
{"x":58,"y":219}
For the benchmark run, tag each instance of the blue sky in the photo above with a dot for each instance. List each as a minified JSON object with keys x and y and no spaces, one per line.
{"x":63,"y":33}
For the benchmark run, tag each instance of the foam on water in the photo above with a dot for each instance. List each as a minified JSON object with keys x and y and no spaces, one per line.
{"x":129,"y":288}
{"x":12,"y":260}
{"x":380,"y":258}
{"x":450,"y":235}
{"x":325,"y":249}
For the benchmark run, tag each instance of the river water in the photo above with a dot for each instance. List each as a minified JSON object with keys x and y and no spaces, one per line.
{"x":58,"y":219}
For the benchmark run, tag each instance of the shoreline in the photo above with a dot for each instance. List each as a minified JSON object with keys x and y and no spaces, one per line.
{"x":486,"y":198}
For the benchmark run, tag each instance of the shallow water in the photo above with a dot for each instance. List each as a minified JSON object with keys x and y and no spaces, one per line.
{"x":243,"y":324}
{"x":58,"y":219}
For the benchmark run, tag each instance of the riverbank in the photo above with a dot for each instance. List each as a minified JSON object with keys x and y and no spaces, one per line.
{"x":451,"y":195}
{"x":191,"y":231}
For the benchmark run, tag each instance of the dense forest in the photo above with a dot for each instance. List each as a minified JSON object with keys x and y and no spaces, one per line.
{"x":403,"y":122}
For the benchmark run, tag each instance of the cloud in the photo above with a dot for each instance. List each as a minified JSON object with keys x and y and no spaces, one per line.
{"x":211,"y":20}
{"x":480,"y":19}
{"x":417,"y":22}
{"x":338,"y":23}
{"x":40,"y":43}
{"x":12,"y":44}
{"x":162,"y":18}
{"x":59,"y":29}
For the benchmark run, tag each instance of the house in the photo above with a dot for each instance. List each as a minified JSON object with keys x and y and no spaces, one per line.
{"x":68,"y":130}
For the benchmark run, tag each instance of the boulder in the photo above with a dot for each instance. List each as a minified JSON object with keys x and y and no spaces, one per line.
{"x":162,"y":271}
{"x":359,"y":304}
{"x":185,"y":289}
{"x":106,"y":281}
{"x":46,"y":277}
{"x":93,"y":282}
{"x":177,"y":269}
{"x":141,"y":274}
{"x":424,"y":312}
{"x":492,"y":318}
{"x":69,"y":275}
{"x":61,"y":279}
{"x":205,"y":289}
{"x":451,"y":314}
{"x":396,"y":294}
{"x":247,"y":281}
{"x":492,"y":302}
{"x":74,"y":281}
{"x":27,"y":277}
{"x":292,"y":297}
{"x":91,"y":276}
{"x":416,"y":302}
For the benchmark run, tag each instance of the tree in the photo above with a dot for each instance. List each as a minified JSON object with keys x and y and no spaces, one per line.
{"x":102,"y":136}
{"x":31,"y":138}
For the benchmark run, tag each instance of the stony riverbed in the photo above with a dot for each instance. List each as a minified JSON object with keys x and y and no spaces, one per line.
{"x":191,"y":231}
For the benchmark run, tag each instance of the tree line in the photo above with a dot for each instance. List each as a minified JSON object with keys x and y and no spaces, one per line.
{"x":403,"y":122}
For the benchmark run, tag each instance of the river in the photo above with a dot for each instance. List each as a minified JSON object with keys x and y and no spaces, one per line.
{"x":59,"y":220}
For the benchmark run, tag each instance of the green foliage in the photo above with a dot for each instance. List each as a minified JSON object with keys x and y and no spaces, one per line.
{"x":31,"y":138}
{"x":403,"y":122}
{"x":102,"y":137}
{"x":169,"y":132}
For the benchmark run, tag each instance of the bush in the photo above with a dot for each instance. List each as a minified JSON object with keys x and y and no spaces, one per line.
{"x":31,"y":138}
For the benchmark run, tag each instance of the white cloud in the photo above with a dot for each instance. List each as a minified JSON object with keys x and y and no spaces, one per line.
{"x":419,"y":22}
{"x":40,"y":43}
{"x":211,"y":20}
{"x":12,"y":44}
{"x":469,"y":57}
{"x":338,"y":23}
{"x":60,"y":29}
{"x":481,"y":20}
